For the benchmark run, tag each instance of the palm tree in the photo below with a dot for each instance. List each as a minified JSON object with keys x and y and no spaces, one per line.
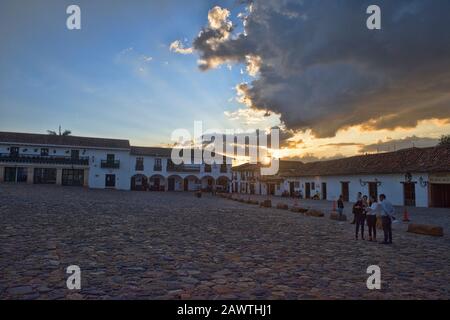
{"x":59,"y":133}
{"x":445,"y":140}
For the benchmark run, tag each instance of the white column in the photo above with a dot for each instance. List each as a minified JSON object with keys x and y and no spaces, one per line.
{"x":86,"y":178}
{"x":58,"y":176}
{"x":30,"y":175}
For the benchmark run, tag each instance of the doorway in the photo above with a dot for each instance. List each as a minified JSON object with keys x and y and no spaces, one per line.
{"x":171,"y":184}
{"x":44,"y":176}
{"x":72,"y":177}
{"x":307,"y":190}
{"x":409,"y":194}
{"x":373,"y":190}
{"x":345,"y":191}
{"x":291,"y":188}
{"x":110,"y":180}
{"x":10,"y":174}
{"x":271,"y":189}
{"x":440,"y":195}
{"x":324,"y":191}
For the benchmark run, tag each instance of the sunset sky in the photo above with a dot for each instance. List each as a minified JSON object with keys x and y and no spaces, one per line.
{"x":140,"y":69}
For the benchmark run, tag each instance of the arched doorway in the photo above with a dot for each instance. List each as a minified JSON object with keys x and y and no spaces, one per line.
{"x":139,"y":182}
{"x":157,"y":183}
{"x":207,"y":183}
{"x":191,"y":183}
{"x":174,"y":183}
{"x":223,"y":184}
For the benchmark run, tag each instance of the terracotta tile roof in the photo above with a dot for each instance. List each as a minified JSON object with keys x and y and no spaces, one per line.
{"x":247,"y":167}
{"x":434,"y":159}
{"x":285,"y":166}
{"x":151,"y":151}
{"x":55,"y":140}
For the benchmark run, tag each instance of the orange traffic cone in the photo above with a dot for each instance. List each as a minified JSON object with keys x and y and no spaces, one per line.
{"x":406,"y":216}
{"x":334,"y":205}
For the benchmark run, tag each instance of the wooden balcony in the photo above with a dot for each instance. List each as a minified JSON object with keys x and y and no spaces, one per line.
{"x":110,"y":164}
{"x":38,"y":159}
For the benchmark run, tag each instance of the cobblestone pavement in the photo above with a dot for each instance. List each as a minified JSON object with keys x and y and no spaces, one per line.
{"x":434,"y":216}
{"x":143,"y":245}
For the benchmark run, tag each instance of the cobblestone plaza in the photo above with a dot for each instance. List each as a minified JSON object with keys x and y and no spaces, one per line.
{"x":151,"y":245}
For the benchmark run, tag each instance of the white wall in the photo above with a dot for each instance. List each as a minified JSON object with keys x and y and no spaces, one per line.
{"x":96,"y":178}
{"x":97,"y":173}
{"x":391,"y":186}
{"x":149,"y":163}
{"x":127,"y":168}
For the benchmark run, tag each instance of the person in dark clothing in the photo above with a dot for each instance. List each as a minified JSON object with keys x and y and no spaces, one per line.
{"x":340,"y":205}
{"x":358,"y":198}
{"x":360,"y":215}
{"x":372,"y":212}
{"x":387,"y":229}
{"x":387,"y":215}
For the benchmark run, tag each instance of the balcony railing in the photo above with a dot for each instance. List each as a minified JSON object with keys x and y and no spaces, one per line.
{"x":157,"y":168}
{"x":183,"y":168}
{"x":31,"y":158}
{"x":110,"y":164}
{"x":223,"y":168}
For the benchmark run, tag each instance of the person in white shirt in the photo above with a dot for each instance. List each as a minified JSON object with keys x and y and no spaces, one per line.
{"x":372,"y":213}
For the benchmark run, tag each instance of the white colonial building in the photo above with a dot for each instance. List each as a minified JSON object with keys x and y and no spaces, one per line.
{"x":101,"y":163}
{"x":152,"y":167}
{"x":410,"y":177}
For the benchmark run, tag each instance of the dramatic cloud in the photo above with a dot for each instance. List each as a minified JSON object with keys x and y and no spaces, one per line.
{"x":319,"y":67}
{"x":178,"y":47}
{"x":397,"y":144}
{"x":245,"y":115}
{"x":212,"y":39}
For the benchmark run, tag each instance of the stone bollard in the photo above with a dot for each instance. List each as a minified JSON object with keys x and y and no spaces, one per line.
{"x":335,"y":216}
{"x":314,"y":213}
{"x":282,"y":206}
{"x":429,"y":230}
{"x":298,"y":209}
{"x":266,"y":204}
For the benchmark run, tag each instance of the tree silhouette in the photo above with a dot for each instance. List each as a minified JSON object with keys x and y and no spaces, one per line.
{"x":59,"y":133}
{"x":445,"y":140}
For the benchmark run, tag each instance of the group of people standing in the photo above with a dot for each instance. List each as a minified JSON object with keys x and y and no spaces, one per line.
{"x":367,"y":210}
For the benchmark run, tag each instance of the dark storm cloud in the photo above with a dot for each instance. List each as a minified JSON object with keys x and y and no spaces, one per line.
{"x":322,"y":69}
